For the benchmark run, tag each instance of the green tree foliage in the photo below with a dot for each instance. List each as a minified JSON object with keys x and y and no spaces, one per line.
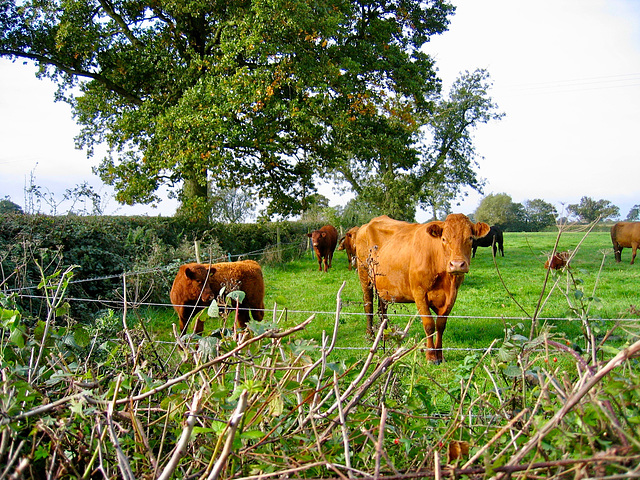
{"x":265,"y":94}
{"x":395,"y":180}
{"x":634,"y":214}
{"x":539,"y":214}
{"x":8,"y":207}
{"x":499,"y":209}
{"x":590,"y":210}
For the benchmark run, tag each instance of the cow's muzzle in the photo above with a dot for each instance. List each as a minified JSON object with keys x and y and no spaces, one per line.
{"x":458,"y":267}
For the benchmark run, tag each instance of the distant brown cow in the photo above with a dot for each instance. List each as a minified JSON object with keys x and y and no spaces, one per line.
{"x":625,"y":235}
{"x":557,"y":261}
{"x":197,"y":285}
{"x":348,"y":243}
{"x":324,"y":243}
{"x":416,"y":263}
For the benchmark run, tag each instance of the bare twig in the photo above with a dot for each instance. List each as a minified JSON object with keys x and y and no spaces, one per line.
{"x":181,"y":446}
{"x":234,"y":421}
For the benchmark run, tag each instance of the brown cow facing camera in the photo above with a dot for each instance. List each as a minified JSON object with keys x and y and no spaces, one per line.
{"x":197,"y":285}
{"x":416,"y":263}
{"x":324,"y":242}
{"x":348,"y":244}
{"x":625,"y":235}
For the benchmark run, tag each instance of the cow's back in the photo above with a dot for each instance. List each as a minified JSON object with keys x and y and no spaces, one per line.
{"x":376,"y":233}
{"x":245,"y":275}
{"x":626,"y":233}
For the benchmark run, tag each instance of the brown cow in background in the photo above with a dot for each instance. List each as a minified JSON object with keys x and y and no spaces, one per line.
{"x":324,"y":243}
{"x":625,"y":235}
{"x":197,"y":285}
{"x":557,"y":261}
{"x":416,"y":263}
{"x":348,"y":244}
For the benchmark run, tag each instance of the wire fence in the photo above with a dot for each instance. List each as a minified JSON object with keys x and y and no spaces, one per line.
{"x":134,"y":304}
{"x":120,"y":304}
{"x":170,"y":266}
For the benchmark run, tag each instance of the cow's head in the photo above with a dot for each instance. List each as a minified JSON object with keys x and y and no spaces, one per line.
{"x":456,"y":235}
{"x":200,"y":278}
{"x":316,"y":237}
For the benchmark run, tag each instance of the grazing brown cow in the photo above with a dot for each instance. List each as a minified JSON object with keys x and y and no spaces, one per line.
{"x":348,"y":244}
{"x":558,"y":261}
{"x":416,"y":263}
{"x":197,"y":285}
{"x":625,"y":235}
{"x":324,"y":243}
{"x":493,"y":239}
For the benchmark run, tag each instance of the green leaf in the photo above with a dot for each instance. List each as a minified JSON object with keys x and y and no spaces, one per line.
{"x":17,"y":336}
{"x":512,"y":371}
{"x":236,"y":296}
{"x":252,"y":435}
{"x":8,"y":317}
{"x":81,"y":336}
{"x":63,"y":309}
{"x":214,"y":310}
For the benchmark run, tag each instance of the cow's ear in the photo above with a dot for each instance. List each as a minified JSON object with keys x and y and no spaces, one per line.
{"x":324,"y":234}
{"x":435,"y":229}
{"x":309,"y":235}
{"x":212,"y":271}
{"x":481,"y":229}
{"x":191,"y":273}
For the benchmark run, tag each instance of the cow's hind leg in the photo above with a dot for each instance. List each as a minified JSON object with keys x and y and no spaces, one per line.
{"x":367,"y":297}
{"x":633,"y":255}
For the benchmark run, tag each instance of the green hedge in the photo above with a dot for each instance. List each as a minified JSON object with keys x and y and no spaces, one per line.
{"x":104,"y":248}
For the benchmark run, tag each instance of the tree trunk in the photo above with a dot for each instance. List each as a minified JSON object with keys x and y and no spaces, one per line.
{"x":195,"y":197}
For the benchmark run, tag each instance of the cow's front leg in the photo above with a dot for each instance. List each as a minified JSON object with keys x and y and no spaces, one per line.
{"x":429,"y":325}
{"x":441,"y":324}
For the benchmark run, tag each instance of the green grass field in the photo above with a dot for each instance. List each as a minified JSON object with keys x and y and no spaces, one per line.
{"x":484,"y":306}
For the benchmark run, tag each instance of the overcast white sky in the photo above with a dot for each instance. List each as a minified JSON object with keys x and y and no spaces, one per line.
{"x":566,"y":73}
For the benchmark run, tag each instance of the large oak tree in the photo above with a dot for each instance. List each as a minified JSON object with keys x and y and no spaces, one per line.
{"x":261,"y":95}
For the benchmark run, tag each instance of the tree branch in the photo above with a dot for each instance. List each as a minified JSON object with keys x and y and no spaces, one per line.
{"x":109,"y":10}
{"x":75,"y":72}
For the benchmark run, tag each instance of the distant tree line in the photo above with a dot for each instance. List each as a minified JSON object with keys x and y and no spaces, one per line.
{"x":535,"y":215}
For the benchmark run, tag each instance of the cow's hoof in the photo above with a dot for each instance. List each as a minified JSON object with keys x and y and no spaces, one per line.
{"x":434,"y":360}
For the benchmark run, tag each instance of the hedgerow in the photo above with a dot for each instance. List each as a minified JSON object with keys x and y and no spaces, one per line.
{"x":104,"y":248}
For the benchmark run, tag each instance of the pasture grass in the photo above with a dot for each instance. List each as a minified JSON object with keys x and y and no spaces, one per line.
{"x":493,"y":297}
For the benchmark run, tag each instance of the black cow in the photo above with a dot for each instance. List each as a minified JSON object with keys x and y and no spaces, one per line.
{"x":493,"y":238}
